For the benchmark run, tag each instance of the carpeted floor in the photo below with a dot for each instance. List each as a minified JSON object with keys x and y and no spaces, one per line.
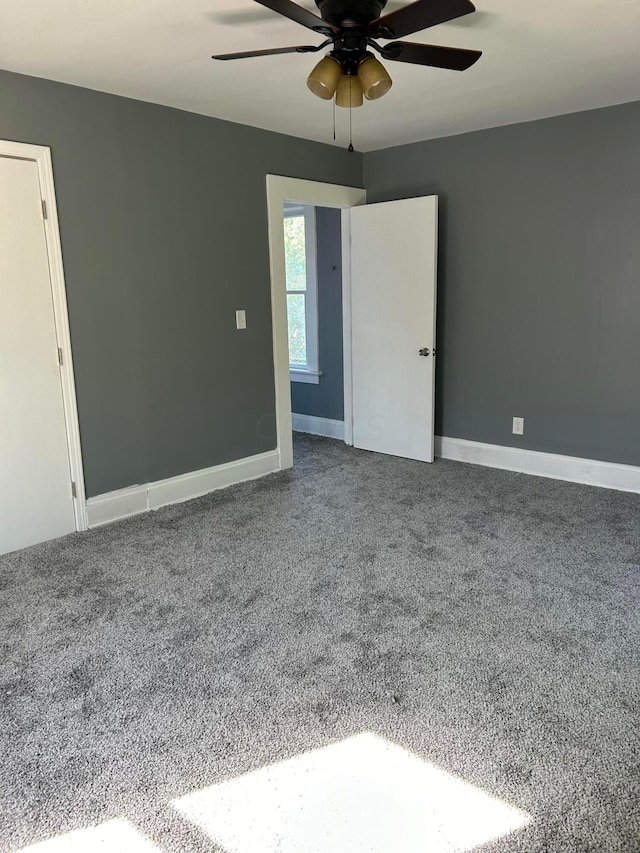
{"x":481,"y":622}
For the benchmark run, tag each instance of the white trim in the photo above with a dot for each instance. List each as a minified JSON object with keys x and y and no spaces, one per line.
{"x":279,"y":191}
{"x":311,"y":292}
{"x":293,"y":210}
{"x":345,"y":227}
{"x":123,"y":503}
{"x":318,"y":426}
{"x":41,"y":155}
{"x":312,"y":377}
{"x":434,"y":340}
{"x":113,"y":506}
{"x":592,"y":472}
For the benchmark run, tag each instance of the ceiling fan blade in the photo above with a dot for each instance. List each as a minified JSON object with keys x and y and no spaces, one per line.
{"x":453,"y":58}
{"x":247,"y":54}
{"x":419,"y":16}
{"x":299,"y":15}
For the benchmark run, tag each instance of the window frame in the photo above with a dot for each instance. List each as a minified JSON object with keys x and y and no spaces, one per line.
{"x":310,"y":371}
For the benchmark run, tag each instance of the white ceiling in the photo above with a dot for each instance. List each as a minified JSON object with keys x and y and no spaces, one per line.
{"x":541,"y":58}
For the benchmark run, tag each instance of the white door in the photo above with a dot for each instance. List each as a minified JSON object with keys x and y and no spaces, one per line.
{"x":393,"y":313}
{"x":36,"y":503}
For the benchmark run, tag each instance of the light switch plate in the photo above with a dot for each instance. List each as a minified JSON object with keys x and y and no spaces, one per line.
{"x":518,"y":426}
{"x":241,"y":319}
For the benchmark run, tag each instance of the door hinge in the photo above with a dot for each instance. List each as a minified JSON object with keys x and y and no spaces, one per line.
{"x":44,"y":209}
{"x":74,"y":491}
{"x":60,"y":357}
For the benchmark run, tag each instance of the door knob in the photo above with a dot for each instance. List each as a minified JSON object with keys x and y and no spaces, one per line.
{"x":424,"y":351}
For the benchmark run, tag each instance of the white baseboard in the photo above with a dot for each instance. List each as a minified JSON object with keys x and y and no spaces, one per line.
{"x":317,"y":426}
{"x":592,"y":472}
{"x":136,"y":499}
{"x":113,"y":506}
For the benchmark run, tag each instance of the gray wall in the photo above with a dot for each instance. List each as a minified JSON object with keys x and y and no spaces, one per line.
{"x":163,"y":222}
{"x":326,"y":400}
{"x":539,"y":278}
{"x":164,"y":234}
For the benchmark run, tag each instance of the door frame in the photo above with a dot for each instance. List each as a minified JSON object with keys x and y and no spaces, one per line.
{"x":41,"y":156}
{"x":281,"y":189}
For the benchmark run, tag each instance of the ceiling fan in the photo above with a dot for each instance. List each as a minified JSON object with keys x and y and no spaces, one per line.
{"x":350,"y":72}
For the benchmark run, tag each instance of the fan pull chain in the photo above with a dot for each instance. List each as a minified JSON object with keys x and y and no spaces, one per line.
{"x":333,"y":101}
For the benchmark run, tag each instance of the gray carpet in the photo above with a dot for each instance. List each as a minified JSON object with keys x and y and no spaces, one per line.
{"x":487,"y":622}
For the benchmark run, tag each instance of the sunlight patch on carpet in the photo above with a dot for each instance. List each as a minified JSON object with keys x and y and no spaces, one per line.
{"x":113,"y":836}
{"x":361,"y":794}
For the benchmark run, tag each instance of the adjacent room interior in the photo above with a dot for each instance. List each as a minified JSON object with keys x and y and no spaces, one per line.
{"x":320,"y":431}
{"x":313,"y":282}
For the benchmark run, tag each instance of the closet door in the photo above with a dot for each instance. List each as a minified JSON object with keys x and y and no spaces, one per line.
{"x":36,"y":502}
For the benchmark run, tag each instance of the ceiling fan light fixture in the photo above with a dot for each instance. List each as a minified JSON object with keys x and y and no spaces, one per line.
{"x":373,"y":77}
{"x":325,"y":77}
{"x":349,"y":92}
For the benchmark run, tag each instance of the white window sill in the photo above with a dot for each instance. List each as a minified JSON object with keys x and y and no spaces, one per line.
{"x":301,"y":375}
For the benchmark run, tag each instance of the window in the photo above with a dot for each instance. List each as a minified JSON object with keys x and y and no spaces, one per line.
{"x":302,"y":296}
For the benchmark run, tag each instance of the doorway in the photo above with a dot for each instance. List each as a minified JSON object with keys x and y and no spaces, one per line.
{"x":389,"y":273}
{"x":41,"y":480}
{"x":294,"y":193}
{"x":313,"y":254}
